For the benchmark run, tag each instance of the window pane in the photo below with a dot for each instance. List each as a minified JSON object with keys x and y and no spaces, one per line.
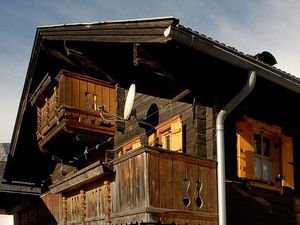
{"x":257,"y":144}
{"x":267,"y":170}
{"x":267,"y":147}
{"x":257,"y":168}
{"x":166,"y":141}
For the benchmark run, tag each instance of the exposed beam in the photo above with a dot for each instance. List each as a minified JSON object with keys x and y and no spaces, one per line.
{"x":143,"y":57}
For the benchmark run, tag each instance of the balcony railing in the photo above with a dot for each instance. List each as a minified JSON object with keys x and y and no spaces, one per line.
{"x":70,"y":102}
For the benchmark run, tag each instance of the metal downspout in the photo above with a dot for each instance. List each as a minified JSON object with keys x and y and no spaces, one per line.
{"x":220,"y":143}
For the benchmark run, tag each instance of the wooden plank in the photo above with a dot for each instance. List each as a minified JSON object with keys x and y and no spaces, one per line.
{"x":99,"y":101}
{"x":91,"y":91}
{"x":178,"y":176}
{"x":153,"y":176}
{"x":213,"y":191}
{"x":68,"y":87}
{"x":116,"y":191}
{"x":106,"y":98}
{"x":75,"y":94}
{"x":80,"y":179}
{"x":125,"y":185}
{"x":205,"y":193}
{"x":109,"y":32}
{"x":82,"y":97}
{"x":99,"y":93}
{"x":245,"y":150}
{"x":141,"y":182}
{"x":166,"y":184}
{"x":133,"y":187}
{"x":119,"y":39}
{"x":112,"y":101}
{"x":287,"y":161}
{"x":61,"y":91}
{"x":147,"y":23}
{"x":192,"y":176}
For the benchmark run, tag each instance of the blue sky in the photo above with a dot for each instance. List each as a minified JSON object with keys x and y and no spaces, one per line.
{"x":250,"y":26}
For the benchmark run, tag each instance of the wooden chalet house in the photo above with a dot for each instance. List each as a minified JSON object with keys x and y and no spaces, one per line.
{"x":160,"y":165}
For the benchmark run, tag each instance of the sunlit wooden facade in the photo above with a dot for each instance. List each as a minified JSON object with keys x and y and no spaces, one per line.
{"x":159,"y":166}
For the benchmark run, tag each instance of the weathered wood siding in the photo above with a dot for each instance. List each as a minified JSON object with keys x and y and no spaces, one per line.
{"x":166,"y":173}
{"x":54,"y":203}
{"x":83,"y":95}
{"x":129,"y":189}
{"x":150,"y":181}
{"x":194,"y":120}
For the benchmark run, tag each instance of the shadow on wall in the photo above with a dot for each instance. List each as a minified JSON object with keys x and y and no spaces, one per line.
{"x":31,"y":210}
{"x":258,"y":206}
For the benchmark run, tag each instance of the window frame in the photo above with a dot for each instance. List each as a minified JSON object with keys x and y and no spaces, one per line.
{"x":281,"y":154}
{"x":171,"y":128}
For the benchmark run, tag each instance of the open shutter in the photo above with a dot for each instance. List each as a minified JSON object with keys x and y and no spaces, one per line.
{"x":176,"y":135}
{"x":287,"y":161}
{"x":245,"y":150}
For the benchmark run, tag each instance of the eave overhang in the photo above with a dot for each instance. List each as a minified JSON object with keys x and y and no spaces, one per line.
{"x":157,"y":30}
{"x":232,"y":56}
{"x":127,"y":31}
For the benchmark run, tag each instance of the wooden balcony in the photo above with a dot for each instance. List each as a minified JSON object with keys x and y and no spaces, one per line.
{"x":154,"y":184}
{"x":67,"y":111}
{"x":148,"y":184}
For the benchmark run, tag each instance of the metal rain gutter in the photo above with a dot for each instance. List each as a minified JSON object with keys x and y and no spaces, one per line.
{"x":234,"y":102}
{"x":213,"y":49}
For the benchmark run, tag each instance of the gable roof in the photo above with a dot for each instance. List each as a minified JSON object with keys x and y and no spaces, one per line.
{"x":153,"y":30}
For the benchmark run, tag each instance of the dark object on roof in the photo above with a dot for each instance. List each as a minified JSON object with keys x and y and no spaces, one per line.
{"x":266,"y":57}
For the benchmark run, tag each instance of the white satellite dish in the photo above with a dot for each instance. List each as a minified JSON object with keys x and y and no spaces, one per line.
{"x":129,"y":101}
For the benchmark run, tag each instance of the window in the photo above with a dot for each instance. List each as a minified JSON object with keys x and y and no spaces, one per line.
{"x":263,"y":162}
{"x":264,"y":153}
{"x":129,"y":146}
{"x":168,"y":135}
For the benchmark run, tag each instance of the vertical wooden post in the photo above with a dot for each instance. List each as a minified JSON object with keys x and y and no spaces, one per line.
{"x":65,"y":211}
{"x":107,"y":202}
{"x":82,"y":206}
{"x":56,"y":98}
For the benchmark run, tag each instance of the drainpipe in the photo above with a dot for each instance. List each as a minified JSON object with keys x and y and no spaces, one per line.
{"x":220,"y":143}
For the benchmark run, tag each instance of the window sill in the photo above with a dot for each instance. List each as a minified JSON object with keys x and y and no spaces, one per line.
{"x":263,"y":185}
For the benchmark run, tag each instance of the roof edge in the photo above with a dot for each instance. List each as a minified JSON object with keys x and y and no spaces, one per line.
{"x":112,"y":21}
{"x":232,"y":56}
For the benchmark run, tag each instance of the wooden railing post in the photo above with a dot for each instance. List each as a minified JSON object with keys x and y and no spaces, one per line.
{"x":82,"y":206}
{"x":107,"y":202}
{"x":65,"y":211}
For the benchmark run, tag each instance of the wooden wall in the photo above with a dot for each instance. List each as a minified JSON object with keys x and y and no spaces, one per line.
{"x":54,"y":203}
{"x":129,"y":195}
{"x":151,"y":181}
{"x":197,"y":122}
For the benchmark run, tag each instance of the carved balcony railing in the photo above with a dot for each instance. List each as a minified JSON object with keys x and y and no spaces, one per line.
{"x":69,"y":103}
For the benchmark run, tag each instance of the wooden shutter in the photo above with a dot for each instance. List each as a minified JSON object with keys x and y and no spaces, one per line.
{"x":136,"y":144}
{"x":287,"y":161}
{"x":245,"y":150}
{"x":176,"y":135}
